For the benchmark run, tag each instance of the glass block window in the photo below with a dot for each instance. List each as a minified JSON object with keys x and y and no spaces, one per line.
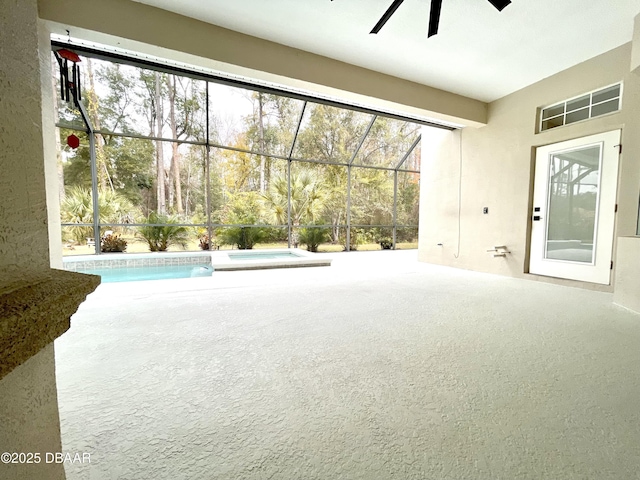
{"x":589,"y":105}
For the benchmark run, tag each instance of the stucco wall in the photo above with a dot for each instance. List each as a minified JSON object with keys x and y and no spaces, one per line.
{"x":497,"y":169}
{"x":52,"y":187}
{"x":29,"y":420}
{"x":24,"y":249}
{"x":635,"y":53}
{"x":627,"y":283}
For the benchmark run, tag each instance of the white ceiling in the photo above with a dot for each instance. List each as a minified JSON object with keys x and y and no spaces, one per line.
{"x":478,"y":52}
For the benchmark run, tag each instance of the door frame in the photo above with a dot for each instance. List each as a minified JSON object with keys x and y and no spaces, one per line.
{"x":599,"y":271}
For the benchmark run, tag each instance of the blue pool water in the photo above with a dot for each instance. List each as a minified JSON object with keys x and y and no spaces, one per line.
{"x":133,"y":274}
{"x":261,"y":255}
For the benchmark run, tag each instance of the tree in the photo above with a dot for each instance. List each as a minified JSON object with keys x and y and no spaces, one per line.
{"x":307,"y":198}
{"x":77,"y":207}
{"x":93,"y":110}
{"x":185,"y":97}
{"x":243,"y":210}
{"x":171,"y":178}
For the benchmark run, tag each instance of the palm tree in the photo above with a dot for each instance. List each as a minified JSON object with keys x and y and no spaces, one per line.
{"x":162,"y":231}
{"x":77,"y":207}
{"x":307,"y":198}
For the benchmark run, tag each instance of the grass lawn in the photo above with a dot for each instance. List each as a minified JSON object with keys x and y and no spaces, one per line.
{"x":134,"y":245}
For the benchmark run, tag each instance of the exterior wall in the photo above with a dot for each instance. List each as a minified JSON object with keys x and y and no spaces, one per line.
{"x":635,"y":54}
{"x":24,"y":249}
{"x":49,"y":149}
{"x":29,"y":420}
{"x":497,"y":169}
{"x":146,"y":29}
{"x":627,"y":291}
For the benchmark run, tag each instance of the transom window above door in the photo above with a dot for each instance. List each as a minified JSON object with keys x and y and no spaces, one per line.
{"x":589,"y":105}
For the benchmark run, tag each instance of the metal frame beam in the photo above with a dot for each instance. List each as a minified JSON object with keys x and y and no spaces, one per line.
{"x":293,"y":144}
{"x":242,"y":150}
{"x":355,"y":154}
{"x":145,"y":63}
{"x":406,"y":155}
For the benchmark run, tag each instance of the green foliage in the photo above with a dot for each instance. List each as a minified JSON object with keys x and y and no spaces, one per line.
{"x":243,"y":209}
{"x":332,"y":134}
{"x":162,"y":232}
{"x":408,"y":198}
{"x":244,"y":190}
{"x":386,"y":243}
{"x":77,"y":167}
{"x":206,"y":244}
{"x":77,"y":207}
{"x":356,"y":238}
{"x":312,"y":237}
{"x":407,"y":234}
{"x":131,"y":166}
{"x":244,"y":238}
{"x":203,"y":242}
{"x":372,"y":197}
{"x":113,"y":243}
{"x":307,"y":198}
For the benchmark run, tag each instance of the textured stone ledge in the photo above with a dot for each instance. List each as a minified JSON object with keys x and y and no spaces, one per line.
{"x":33,"y":316}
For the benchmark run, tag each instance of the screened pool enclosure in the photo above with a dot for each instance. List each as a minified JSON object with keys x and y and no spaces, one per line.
{"x":199,"y":162}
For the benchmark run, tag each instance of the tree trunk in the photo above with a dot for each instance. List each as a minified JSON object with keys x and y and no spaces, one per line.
{"x":92,"y":109}
{"x":162,"y":208}
{"x":263,"y":185}
{"x":175,"y":189}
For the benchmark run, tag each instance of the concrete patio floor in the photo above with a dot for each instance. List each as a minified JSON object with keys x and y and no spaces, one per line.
{"x":378,"y":367}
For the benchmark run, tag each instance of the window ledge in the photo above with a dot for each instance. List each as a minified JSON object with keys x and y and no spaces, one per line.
{"x":34,"y":315}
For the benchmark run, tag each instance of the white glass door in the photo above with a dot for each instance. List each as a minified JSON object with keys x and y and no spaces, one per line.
{"x":574,"y":208}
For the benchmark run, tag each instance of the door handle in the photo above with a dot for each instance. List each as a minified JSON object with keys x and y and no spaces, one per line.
{"x":536,"y":218}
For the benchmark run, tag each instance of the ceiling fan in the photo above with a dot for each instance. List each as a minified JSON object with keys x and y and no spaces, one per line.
{"x":434,"y":16}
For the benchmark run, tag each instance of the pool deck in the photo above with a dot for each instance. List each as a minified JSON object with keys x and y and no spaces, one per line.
{"x":380,"y":367}
{"x":222,"y":261}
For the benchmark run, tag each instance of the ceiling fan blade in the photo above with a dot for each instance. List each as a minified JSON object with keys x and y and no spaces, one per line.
{"x":387,"y":15}
{"x":434,"y":17}
{"x":500,"y":4}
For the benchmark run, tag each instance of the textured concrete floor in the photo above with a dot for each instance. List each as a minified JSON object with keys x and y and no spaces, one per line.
{"x":375,"y":368}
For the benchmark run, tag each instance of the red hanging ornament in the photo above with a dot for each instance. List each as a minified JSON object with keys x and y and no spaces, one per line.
{"x":73,"y":141}
{"x":69,"y":75}
{"x":69,"y":55}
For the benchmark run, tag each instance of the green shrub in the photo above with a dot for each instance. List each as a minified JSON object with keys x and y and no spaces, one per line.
{"x":355,"y":238}
{"x":244,"y":211}
{"x":160,"y":237}
{"x":312,"y":237}
{"x":113,"y":243}
{"x":77,"y":207}
{"x":206,"y":244}
{"x":386,"y":243}
{"x":244,"y":238}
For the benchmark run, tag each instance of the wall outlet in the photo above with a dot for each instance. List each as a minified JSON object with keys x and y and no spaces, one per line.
{"x":485,"y":210}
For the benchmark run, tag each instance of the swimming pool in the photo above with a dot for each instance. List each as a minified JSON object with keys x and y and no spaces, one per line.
{"x":130,"y":267}
{"x":262,"y":259}
{"x":261,"y":255}
{"x":133,"y":274}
